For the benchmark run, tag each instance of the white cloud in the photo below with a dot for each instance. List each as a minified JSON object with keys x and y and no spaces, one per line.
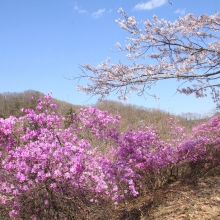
{"x":80,"y":11}
{"x":150,"y":5}
{"x":98,"y":13}
{"x":181,"y":11}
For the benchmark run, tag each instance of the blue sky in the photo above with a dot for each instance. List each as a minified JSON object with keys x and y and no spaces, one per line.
{"x":43,"y":42}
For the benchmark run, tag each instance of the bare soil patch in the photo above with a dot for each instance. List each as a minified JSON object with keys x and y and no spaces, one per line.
{"x":177,"y":201}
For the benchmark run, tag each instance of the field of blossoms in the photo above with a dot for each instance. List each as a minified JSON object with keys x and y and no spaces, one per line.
{"x":55,"y":167}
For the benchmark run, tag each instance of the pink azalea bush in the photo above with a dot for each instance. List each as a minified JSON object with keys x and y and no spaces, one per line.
{"x":53,"y":170}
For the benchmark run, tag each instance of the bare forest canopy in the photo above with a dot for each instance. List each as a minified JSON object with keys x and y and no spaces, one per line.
{"x":132,"y":116}
{"x":12,"y":103}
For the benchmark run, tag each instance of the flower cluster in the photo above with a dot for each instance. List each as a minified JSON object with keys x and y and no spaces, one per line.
{"x":42,"y":159}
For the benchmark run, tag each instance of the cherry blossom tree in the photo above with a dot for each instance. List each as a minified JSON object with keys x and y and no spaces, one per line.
{"x":187,"y":50}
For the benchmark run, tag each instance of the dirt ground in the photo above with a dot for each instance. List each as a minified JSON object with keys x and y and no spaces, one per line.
{"x":190,"y":202}
{"x":179,"y":201}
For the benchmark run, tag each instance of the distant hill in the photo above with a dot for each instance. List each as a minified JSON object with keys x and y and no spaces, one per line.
{"x":11,"y":103}
{"x":133,"y":116}
{"x":136,"y":116}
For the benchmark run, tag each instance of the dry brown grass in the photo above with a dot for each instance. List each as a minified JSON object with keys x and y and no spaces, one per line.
{"x":177,"y":201}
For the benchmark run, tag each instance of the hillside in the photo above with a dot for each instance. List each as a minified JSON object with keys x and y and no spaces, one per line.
{"x":12,"y":103}
{"x":132,"y":116}
{"x":195,"y":196}
{"x":136,"y":116}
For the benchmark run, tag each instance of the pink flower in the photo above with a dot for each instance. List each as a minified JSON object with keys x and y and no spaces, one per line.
{"x":53,"y":185}
{"x":46,"y":202}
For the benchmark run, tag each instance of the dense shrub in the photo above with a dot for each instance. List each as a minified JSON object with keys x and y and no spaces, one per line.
{"x":66,"y":167}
